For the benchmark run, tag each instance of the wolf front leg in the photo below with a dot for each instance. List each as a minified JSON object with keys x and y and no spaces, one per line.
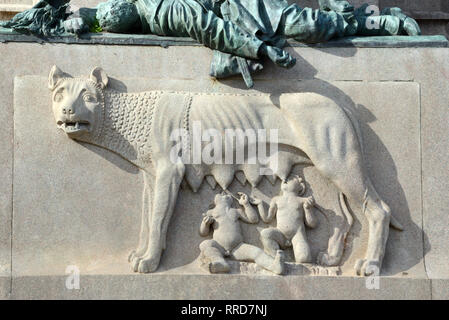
{"x":147,"y":199}
{"x":168,"y":179}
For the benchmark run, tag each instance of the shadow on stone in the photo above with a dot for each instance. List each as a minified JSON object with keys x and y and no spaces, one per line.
{"x":404,"y":258}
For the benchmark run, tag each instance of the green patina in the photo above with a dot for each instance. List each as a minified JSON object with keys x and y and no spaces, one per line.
{"x":95,"y":27}
{"x":240,"y":31}
{"x":43,"y":19}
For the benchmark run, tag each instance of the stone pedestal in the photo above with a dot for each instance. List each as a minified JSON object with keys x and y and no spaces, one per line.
{"x":65,"y":204}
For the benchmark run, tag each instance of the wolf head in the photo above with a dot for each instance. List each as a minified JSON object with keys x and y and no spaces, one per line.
{"x":78,"y":104}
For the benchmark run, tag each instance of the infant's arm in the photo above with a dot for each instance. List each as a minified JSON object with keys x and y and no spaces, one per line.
{"x":248,"y":214}
{"x":208,"y":220}
{"x":310,"y":219}
{"x":271,"y":211}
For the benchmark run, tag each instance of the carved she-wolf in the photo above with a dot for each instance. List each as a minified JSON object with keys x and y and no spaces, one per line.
{"x":312,"y":130}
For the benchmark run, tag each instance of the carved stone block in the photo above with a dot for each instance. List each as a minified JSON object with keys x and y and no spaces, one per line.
{"x":185,"y":247}
{"x":79,"y":205}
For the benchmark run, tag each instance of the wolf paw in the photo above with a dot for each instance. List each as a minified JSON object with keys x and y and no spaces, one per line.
{"x":138,"y":253}
{"x":324,"y":259}
{"x":135,"y":262}
{"x":366,"y":267}
{"x":147,"y":265}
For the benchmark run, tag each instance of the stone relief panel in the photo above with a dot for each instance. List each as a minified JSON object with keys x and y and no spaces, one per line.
{"x":327,"y":233}
{"x":139,"y":127}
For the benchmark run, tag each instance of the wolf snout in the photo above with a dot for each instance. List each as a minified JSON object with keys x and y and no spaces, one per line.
{"x":68,"y":110}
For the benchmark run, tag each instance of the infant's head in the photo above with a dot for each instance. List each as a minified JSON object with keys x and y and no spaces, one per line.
{"x":295,"y":184}
{"x":117,"y":15}
{"x":223,"y":199}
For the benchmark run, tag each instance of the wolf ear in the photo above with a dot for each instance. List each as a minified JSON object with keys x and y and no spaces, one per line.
{"x":100,"y":77}
{"x":55,"y":75}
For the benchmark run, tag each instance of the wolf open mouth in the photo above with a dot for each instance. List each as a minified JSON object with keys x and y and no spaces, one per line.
{"x":74,"y":127}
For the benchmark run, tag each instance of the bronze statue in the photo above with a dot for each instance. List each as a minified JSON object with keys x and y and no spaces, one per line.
{"x":240,"y":31}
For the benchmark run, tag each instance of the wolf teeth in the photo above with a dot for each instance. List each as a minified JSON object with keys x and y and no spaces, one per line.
{"x":240,"y":176}
{"x":271,"y":179}
{"x":77,"y":125}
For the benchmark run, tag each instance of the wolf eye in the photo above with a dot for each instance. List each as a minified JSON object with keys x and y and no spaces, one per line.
{"x":58,"y":97}
{"x":88,"y":98}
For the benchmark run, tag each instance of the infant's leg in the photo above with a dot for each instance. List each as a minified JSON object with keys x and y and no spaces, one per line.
{"x":301,"y":248}
{"x":214,"y":253}
{"x":273,"y":240}
{"x":247,"y":252}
